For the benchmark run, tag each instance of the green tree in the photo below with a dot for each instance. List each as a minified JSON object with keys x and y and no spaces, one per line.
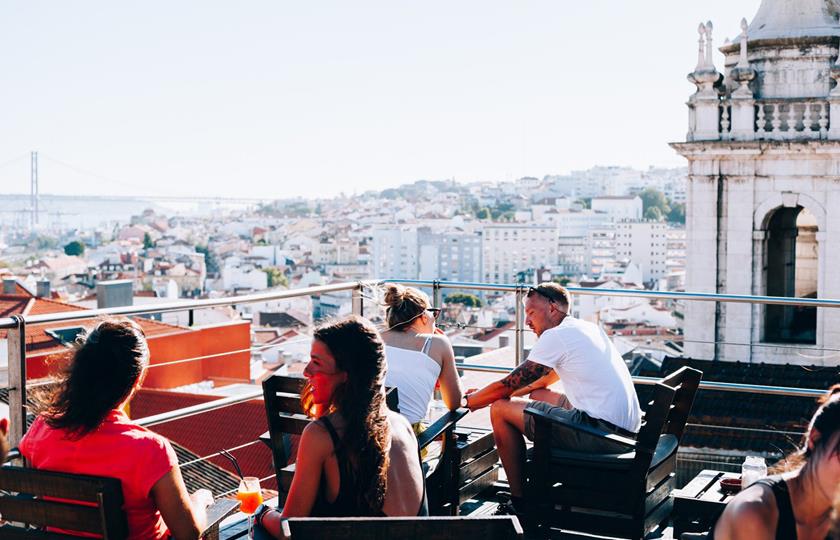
{"x":585,"y":202}
{"x":276,"y":277}
{"x":74,"y":248}
{"x":677,"y":213}
{"x":210,"y":261}
{"x":562,"y":280}
{"x":653,"y":213}
{"x":483,"y":213}
{"x":653,"y":198}
{"x":147,"y":241}
{"x":469,"y":300}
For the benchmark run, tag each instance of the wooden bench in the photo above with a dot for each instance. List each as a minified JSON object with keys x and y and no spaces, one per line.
{"x":430,"y":528}
{"x":90,"y":504}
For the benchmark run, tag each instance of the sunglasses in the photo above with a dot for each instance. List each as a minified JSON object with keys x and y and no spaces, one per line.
{"x":549,"y":295}
{"x":435,"y":311}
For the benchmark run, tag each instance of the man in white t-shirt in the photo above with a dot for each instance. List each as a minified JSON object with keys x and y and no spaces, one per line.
{"x":597,"y":387}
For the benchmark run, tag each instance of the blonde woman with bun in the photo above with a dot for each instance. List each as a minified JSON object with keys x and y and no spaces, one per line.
{"x":418,"y":358}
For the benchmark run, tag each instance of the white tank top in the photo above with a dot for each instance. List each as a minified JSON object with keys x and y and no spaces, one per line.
{"x":415,"y":374}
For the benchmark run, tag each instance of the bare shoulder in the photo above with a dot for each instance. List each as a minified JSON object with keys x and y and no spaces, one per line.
{"x":440,"y":346}
{"x":751,"y":514}
{"x":315,"y":438}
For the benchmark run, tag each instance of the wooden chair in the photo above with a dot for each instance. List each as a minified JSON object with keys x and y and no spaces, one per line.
{"x":460,"y":470}
{"x":430,"y":528}
{"x":621,"y":494}
{"x":90,"y":504}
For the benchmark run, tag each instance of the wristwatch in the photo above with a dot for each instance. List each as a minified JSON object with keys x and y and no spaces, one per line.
{"x":464,"y":403}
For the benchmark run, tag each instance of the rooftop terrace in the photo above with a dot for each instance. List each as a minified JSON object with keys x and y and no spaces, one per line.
{"x":742,"y":408}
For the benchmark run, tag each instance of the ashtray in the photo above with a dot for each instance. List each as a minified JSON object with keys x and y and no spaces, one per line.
{"x":730,"y":485}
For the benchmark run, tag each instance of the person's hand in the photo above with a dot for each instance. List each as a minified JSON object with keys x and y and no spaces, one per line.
{"x":4,"y":444}
{"x":202,"y":498}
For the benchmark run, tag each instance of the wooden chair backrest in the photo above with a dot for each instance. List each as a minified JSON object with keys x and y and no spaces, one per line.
{"x":667,"y":412}
{"x":431,"y":528}
{"x":89,"y":504}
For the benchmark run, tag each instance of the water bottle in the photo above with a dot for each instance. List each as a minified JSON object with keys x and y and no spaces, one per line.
{"x":753,"y":469}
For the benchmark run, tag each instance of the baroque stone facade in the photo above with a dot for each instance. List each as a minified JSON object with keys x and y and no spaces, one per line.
{"x":763,"y":212}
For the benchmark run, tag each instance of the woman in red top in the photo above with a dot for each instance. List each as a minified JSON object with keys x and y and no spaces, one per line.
{"x":81,"y":429}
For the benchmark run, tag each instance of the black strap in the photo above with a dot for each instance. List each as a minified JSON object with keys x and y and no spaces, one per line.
{"x":333,"y":433}
{"x":786,"y":527}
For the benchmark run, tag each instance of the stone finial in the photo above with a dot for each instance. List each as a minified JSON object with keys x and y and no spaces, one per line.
{"x":709,"y":61}
{"x":742,"y":72}
{"x":742,"y":61}
{"x":701,"y":48}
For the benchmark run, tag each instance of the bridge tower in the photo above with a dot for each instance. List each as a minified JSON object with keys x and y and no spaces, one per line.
{"x":33,"y":191}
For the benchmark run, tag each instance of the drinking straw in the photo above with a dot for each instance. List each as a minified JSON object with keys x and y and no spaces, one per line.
{"x":233,"y":460}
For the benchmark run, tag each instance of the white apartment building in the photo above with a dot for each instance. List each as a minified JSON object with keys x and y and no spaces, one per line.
{"x":571,"y":255}
{"x":619,"y":207}
{"x":452,"y":255}
{"x":645,"y":243}
{"x":509,"y":249}
{"x":395,"y":251}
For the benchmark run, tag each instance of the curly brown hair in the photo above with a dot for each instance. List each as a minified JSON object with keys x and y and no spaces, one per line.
{"x":358,"y":351}
{"x":106,"y":365}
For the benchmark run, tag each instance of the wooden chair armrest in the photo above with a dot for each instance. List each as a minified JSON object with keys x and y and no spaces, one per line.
{"x":13,"y":454}
{"x":553,"y":422}
{"x":440,"y":426}
{"x":216,"y":512}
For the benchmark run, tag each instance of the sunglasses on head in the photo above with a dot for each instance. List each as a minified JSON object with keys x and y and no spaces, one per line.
{"x":548,"y":294}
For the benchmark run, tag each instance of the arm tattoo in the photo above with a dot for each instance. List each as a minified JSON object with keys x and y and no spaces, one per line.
{"x":525,"y":374}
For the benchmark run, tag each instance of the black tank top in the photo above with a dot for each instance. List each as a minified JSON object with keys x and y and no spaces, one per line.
{"x":786,"y":526}
{"x":345,"y":503}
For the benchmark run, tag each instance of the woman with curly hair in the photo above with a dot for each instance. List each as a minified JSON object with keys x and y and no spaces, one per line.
{"x":796,"y":504}
{"x":359,"y":458}
{"x":81,"y":429}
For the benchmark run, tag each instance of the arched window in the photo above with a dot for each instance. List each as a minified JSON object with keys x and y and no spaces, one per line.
{"x":791,"y":270}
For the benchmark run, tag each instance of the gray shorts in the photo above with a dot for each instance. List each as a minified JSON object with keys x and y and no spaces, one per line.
{"x":570,"y":439}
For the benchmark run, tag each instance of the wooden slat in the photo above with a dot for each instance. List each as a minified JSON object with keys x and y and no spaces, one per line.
{"x":431,"y":528}
{"x":54,"y":514}
{"x":477,"y":485}
{"x":285,"y":383}
{"x":478,"y":466}
{"x":288,"y":403}
{"x":290,"y":424}
{"x":53,"y":484}
{"x":7,"y":532}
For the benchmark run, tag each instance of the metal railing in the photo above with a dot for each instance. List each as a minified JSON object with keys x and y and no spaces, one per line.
{"x":16,"y":327}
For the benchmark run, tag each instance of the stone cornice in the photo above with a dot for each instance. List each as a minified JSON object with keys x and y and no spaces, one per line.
{"x":712,"y":149}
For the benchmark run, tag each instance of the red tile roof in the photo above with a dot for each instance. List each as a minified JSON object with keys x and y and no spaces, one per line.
{"x":209,"y":432}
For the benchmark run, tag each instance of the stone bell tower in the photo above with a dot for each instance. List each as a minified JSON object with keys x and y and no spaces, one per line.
{"x":763,"y":211}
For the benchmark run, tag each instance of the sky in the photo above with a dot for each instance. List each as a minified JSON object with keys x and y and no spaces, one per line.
{"x":279,"y":99}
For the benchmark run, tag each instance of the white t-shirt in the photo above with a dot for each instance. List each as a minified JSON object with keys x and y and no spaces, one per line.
{"x":595,"y":378}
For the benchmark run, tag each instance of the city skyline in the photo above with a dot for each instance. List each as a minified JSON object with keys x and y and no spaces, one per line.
{"x":285,"y":101}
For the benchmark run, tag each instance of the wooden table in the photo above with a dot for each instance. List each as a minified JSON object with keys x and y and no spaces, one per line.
{"x":698,"y":505}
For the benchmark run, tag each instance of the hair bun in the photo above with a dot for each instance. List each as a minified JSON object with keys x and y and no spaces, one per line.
{"x":394,"y":294}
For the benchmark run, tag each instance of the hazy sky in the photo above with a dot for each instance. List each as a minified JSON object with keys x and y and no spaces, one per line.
{"x":279,"y":99}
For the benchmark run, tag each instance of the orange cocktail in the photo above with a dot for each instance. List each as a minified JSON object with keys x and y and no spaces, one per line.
{"x":249,"y":495}
{"x":249,"y":501}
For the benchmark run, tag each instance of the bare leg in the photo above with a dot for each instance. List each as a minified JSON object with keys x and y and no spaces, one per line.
{"x":555,"y":398}
{"x":508,"y":419}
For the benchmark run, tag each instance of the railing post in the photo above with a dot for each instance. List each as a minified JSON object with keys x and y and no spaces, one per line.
{"x":437,"y":294}
{"x":358,"y":301}
{"x":520,"y":326}
{"x":17,"y":381}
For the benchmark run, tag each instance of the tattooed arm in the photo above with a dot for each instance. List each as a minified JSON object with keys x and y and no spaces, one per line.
{"x":523,"y":377}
